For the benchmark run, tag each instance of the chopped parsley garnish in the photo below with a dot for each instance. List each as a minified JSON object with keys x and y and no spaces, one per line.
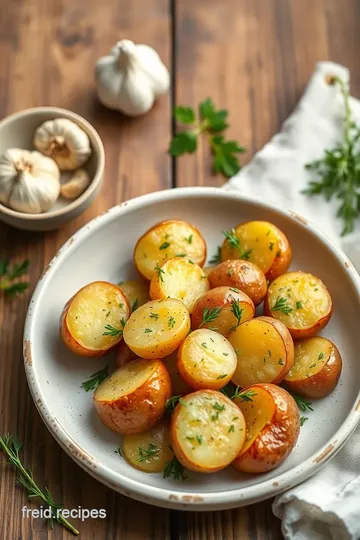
{"x":149,"y":453}
{"x":321,"y":355}
{"x":147,"y":331}
{"x":230,"y":272}
{"x":221,"y":376}
{"x":171,"y":322}
{"x":271,"y":246}
{"x":154,"y":316}
{"x":164,"y":245}
{"x":298,"y":304}
{"x":190,"y":239}
{"x":175,"y":469}
{"x":231,"y":429}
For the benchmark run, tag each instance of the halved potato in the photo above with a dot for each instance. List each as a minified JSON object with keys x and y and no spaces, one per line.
{"x":301,"y":301}
{"x":93,"y":319}
{"x":179,"y":278}
{"x":242,"y":275}
{"x":206,"y":360}
{"x":149,"y":451}
{"x":207,"y":431}
{"x":316,"y":370}
{"x":179,"y":386}
{"x":222,"y":309}
{"x":260,"y":242}
{"x":136,"y":292}
{"x":133,"y":398}
{"x":167,"y":239}
{"x":264,"y":350}
{"x":272,"y":428}
{"x":157,"y":328}
{"x":123,"y":354}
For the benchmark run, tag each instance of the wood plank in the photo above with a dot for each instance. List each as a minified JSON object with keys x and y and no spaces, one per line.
{"x":49,"y":50}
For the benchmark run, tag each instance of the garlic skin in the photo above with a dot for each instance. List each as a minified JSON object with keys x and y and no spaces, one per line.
{"x":130,"y":78}
{"x":29,"y":181}
{"x":64,"y":141}
{"x":77,"y":184}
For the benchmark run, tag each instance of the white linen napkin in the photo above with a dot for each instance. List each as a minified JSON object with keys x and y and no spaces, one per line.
{"x":327,"y":506}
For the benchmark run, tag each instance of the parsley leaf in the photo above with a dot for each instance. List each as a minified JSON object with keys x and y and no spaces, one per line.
{"x":185,"y":115}
{"x":184,"y":142}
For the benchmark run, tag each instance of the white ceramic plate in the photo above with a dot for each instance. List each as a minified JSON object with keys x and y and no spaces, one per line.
{"x":102,"y":250}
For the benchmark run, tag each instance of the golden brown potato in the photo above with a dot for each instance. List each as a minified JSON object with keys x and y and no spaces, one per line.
{"x":179,"y":278}
{"x":167,"y":239}
{"x":149,"y":451}
{"x":264,"y":349}
{"x":222,"y":309}
{"x":93,"y":319}
{"x":136,"y":292}
{"x":316,"y":370}
{"x":207,"y":431}
{"x":272,"y":428}
{"x":157,"y":328}
{"x":179,"y":386}
{"x":300,"y":301}
{"x":242,"y":275}
{"x":123,"y":354}
{"x":133,"y":398}
{"x":206,"y":360}
{"x":259,"y":242}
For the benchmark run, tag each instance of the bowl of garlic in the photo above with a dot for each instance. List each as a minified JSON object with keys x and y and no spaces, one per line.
{"x":51,"y":167}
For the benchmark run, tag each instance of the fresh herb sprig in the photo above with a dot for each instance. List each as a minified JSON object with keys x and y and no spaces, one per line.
{"x":95,"y":379}
{"x":281,"y":305}
{"x":11,"y":446}
{"x":148,"y":453}
{"x":237,"y":312}
{"x":212,"y":123}
{"x":209,"y":315}
{"x":338,"y":171}
{"x":236,"y":392}
{"x":217,"y":257}
{"x":9,"y":274}
{"x":171,"y":403}
{"x":302,"y":403}
{"x":175,"y":469}
{"x":114,"y":332}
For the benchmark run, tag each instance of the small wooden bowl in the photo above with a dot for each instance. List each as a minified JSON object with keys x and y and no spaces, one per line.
{"x":17,"y":131}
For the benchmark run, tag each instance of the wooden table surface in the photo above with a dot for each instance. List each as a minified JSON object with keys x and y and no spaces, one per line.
{"x":253,"y":57}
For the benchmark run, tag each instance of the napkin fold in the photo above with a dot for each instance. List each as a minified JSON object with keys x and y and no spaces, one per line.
{"x":327,"y":506}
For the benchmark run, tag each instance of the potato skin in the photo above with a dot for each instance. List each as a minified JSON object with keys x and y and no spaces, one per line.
{"x":321,"y":383}
{"x":221,"y":297}
{"x":158,"y":435}
{"x":139,"y":410}
{"x":242,"y":275}
{"x":277,"y":439}
{"x":68,"y":338}
{"x":123,"y":354}
{"x":283,"y":257}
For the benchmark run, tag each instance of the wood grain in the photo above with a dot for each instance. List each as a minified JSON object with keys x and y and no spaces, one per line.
{"x":254,"y":58}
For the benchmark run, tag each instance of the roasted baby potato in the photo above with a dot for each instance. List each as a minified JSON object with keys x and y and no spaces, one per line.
{"x":206,"y":360}
{"x":136,"y":292}
{"x":259,"y":242}
{"x":222,"y":309}
{"x":123,"y":354}
{"x":165,"y":240}
{"x":242,"y":275}
{"x":149,"y":451}
{"x":179,"y":386}
{"x":207,"y":431}
{"x":157,"y":328}
{"x":316,"y":370}
{"x":300,"y":301}
{"x":272,"y":428}
{"x":93,"y":319}
{"x":133,"y":398}
{"x":179,"y":278}
{"x":264,"y":350}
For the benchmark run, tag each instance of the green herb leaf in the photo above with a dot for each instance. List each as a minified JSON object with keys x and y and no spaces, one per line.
{"x":112,"y":331}
{"x":171,"y":322}
{"x":303,"y":419}
{"x":185,"y":115}
{"x":164,"y":245}
{"x":160,"y":272}
{"x":95,"y":379}
{"x":147,"y":454}
{"x":154,"y":316}
{"x":209,"y":315}
{"x":184,"y":142}
{"x":337,"y":173}
{"x":281,"y":305}
{"x":302,"y":403}
{"x":171,"y":403}
{"x":217,"y":257}
{"x":4,"y":265}
{"x":7,"y":276}
{"x":118,"y":451}
{"x":175,"y":469}
{"x":237,"y":311}
{"x":11,"y":447}
{"x":245,"y":395}
{"x":135,"y":304}
{"x":232,"y":239}
{"x":298,"y":304}
{"x":225,"y":159}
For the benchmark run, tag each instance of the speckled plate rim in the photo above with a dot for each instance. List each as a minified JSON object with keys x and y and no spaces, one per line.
{"x":165,"y":497}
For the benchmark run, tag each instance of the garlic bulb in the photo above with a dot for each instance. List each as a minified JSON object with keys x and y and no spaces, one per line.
{"x":29,"y":181}
{"x":64,"y":141}
{"x":131,"y":77}
{"x":77,"y":184}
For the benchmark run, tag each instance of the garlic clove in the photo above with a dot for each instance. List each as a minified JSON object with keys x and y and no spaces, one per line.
{"x":64,"y":141}
{"x":29,"y":181}
{"x":77,"y":184}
